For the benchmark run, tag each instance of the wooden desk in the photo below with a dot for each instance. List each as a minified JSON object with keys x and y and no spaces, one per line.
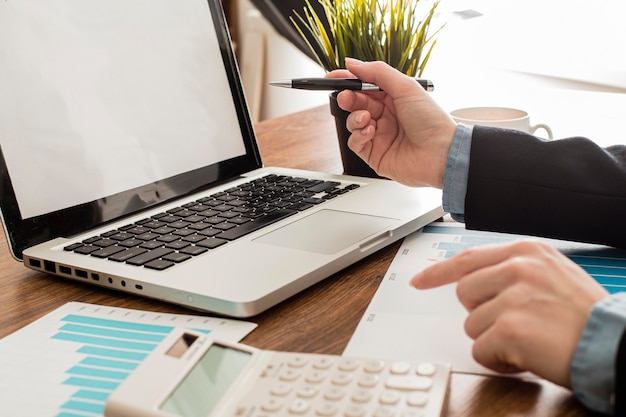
{"x":320,"y":319}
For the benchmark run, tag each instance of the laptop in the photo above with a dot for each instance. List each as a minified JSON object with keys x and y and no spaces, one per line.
{"x":129,"y":161}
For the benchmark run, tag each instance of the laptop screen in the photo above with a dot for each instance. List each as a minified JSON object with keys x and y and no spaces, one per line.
{"x":112,"y":107}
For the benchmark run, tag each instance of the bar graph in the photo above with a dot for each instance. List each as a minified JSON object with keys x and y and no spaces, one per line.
{"x":68,"y":363}
{"x":113,"y":348}
{"x":606,"y":265}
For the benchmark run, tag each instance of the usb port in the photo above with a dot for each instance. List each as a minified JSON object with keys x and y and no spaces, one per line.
{"x":35,"y":263}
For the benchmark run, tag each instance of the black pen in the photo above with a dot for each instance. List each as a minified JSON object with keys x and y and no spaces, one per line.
{"x":339,"y":84}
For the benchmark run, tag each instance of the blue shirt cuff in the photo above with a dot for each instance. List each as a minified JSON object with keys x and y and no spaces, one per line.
{"x":593,"y":365}
{"x":457,"y":169}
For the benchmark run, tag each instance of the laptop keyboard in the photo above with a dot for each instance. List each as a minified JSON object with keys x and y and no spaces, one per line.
{"x":177,"y":235}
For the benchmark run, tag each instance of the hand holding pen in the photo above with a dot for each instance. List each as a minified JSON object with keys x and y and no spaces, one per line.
{"x":336,"y":84}
{"x":402,"y":134}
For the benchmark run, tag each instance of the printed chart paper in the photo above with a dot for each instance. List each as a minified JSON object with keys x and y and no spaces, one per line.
{"x":67,"y":363}
{"x":428,"y":325}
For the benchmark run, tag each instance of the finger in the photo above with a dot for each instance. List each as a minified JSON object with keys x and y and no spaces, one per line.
{"x":484,"y":314}
{"x":352,"y":101}
{"x":491,"y":351}
{"x":486,"y":283}
{"x":358,"y":119}
{"x":388,"y":78}
{"x":340,"y":73}
{"x":470,"y":260}
{"x":360,"y":141}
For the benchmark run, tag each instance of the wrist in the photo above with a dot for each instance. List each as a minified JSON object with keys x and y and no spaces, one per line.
{"x":456,"y":172}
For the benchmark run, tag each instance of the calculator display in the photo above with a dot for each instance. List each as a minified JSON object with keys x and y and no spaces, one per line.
{"x":207,"y":382}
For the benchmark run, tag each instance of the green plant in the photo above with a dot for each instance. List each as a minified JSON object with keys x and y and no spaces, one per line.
{"x":369,"y":30}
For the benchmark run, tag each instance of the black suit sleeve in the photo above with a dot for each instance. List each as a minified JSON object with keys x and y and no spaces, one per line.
{"x":568,"y":189}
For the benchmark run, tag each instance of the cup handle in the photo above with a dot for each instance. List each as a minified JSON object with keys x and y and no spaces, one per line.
{"x":542,"y":126}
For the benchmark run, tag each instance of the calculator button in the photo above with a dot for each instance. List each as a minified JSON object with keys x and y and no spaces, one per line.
{"x":409,"y":382}
{"x":348,"y":365}
{"x":417,"y":399}
{"x":341,"y":379}
{"x":389,"y":397}
{"x":374,"y":366}
{"x":307,"y":392}
{"x":400,"y":367}
{"x":385,"y":412}
{"x":315,"y":377}
{"x":368,"y":380}
{"x":272,"y":404}
{"x":281,"y":389}
{"x":299,"y":407}
{"x":361,"y":396}
{"x":289,"y":375}
{"x":334,"y":394}
{"x":326,"y":410}
{"x":426,"y":369}
{"x":355,"y":411}
{"x":297,"y":362}
{"x":323,"y":363}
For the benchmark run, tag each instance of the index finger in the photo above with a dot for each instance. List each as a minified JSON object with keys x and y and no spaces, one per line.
{"x":453,"y":269}
{"x":392,"y":81}
{"x":340,"y":73}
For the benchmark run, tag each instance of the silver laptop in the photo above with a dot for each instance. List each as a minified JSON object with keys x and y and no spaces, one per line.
{"x":129,"y":161}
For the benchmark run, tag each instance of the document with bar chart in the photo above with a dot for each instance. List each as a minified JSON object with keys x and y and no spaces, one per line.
{"x":67,"y":363}
{"x":428,"y":325}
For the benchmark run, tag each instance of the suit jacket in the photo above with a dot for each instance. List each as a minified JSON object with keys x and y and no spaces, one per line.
{"x":569,"y":189}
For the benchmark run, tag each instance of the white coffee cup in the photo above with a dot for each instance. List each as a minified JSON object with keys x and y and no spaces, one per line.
{"x":504,"y":117}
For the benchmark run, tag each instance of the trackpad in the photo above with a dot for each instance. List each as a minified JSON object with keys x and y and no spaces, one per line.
{"x":327,"y":231}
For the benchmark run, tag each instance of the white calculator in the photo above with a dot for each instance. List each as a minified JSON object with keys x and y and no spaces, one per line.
{"x":193,"y":375}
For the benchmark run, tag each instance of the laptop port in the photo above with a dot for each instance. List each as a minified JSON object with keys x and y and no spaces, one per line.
{"x":80,"y":273}
{"x":65,"y":270}
{"x":35,"y":263}
{"x":50,"y":266}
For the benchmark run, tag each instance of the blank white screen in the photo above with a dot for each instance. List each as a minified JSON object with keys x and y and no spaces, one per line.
{"x":103,"y":96}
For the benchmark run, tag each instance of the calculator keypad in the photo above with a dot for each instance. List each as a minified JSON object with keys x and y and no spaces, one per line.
{"x":294,"y":385}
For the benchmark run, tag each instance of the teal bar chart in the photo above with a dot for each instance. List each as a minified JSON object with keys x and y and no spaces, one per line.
{"x":69,"y":362}
{"x":606,"y":265}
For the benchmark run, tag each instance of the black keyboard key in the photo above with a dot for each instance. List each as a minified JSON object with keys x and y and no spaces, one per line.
{"x":159,"y":264}
{"x":86,"y":250}
{"x":108,"y":251}
{"x":326,"y":185}
{"x":131,"y":243}
{"x":211,"y":243}
{"x":149,"y":256}
{"x":176,"y":257}
{"x":194,"y":250}
{"x":178,"y":244}
{"x":151,"y":244}
{"x":72,"y":247}
{"x":256,"y":224}
{"x":103,"y":243}
{"x":127,"y":254}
